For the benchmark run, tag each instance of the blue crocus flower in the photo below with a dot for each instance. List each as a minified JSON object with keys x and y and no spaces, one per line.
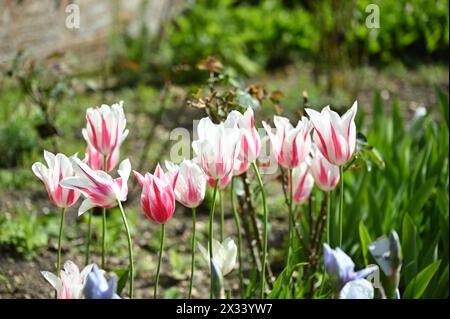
{"x":98,"y":288}
{"x":340,"y":267}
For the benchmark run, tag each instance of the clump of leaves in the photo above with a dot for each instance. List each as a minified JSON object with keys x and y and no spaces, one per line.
{"x":23,"y":232}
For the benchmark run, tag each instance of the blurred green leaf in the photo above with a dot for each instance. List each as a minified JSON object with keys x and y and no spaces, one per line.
{"x":417,"y":286}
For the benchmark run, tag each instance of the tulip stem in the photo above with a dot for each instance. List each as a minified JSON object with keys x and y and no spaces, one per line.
{"x":222,"y":217}
{"x":130,"y":249}
{"x":193,"y":253}
{"x":265,"y":232}
{"x":239,"y":239}
{"x":328,"y":195}
{"x":103,"y":236}
{"x":105,"y":160}
{"x":88,"y":244}
{"x":211,"y":221}
{"x":58,"y":256}
{"x":291,"y":191}
{"x":341,"y":204}
{"x":161,"y":247}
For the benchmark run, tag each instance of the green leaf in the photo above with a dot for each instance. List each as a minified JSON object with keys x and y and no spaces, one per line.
{"x":365,"y":239}
{"x":417,"y":287}
{"x":421,"y":196}
{"x":409,"y":249}
{"x":123,"y":278}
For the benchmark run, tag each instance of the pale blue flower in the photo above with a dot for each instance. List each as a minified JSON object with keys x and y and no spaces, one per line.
{"x":341,"y":268}
{"x":98,"y":288}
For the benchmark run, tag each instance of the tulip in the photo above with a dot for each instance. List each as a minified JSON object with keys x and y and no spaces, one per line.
{"x":291,"y":145}
{"x":335,"y":136}
{"x":158,"y":196}
{"x":190,"y":188}
{"x":224,"y":255}
{"x":190,"y":185}
{"x":97,"y":287}
{"x":95,"y":159}
{"x":239,"y":168}
{"x":70,"y":283}
{"x":326,"y":175}
{"x":223,"y":183}
{"x":217,"y":147}
{"x":250,"y":145}
{"x":340,"y":267}
{"x":105,"y":129}
{"x":59,"y":167}
{"x":303,"y":182}
{"x":158,"y":203}
{"x":99,"y":188}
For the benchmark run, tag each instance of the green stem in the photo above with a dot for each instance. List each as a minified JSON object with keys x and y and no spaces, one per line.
{"x":130,"y":249}
{"x":193,"y":253}
{"x":328,"y":195}
{"x":211,"y":221}
{"x":341,"y":204}
{"x":88,"y":244}
{"x":239,"y":239}
{"x":291,"y":192}
{"x":104,"y":222}
{"x":265,"y":232}
{"x":161,"y":247}
{"x":58,"y":256}
{"x":222,"y":217}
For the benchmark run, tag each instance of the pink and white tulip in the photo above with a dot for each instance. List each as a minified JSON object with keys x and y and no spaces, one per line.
{"x":250,"y":145}
{"x":158,"y":195}
{"x":71,"y":282}
{"x":105,"y":128}
{"x":217,"y":147}
{"x":59,"y":167}
{"x":223,"y":183}
{"x":190,"y":185}
{"x":303,"y":182}
{"x":95,"y":159}
{"x":290,"y":144}
{"x":326,"y":175}
{"x":335,"y":136}
{"x":240,"y":167}
{"x":98,"y":187}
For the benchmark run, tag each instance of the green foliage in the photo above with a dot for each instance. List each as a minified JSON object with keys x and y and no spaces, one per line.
{"x":17,"y":141}
{"x":410,"y":195}
{"x":23,"y":232}
{"x":248,"y":34}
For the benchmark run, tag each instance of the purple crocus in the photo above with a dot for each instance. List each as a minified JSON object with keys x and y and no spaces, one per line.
{"x":340,"y":267}
{"x":97,"y":287}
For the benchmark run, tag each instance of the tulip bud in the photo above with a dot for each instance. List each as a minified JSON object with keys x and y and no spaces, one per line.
{"x":105,"y":128}
{"x":334,"y":135}
{"x":158,"y":196}
{"x":59,"y":167}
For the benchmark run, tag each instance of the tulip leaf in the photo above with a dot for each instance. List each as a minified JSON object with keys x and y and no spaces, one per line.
{"x":409,"y":248}
{"x":418,"y":285}
{"x":365,"y":239}
{"x":123,"y":278}
{"x":421,"y":195}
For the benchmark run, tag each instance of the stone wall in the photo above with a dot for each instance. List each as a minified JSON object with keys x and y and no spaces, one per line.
{"x":40,"y":25}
